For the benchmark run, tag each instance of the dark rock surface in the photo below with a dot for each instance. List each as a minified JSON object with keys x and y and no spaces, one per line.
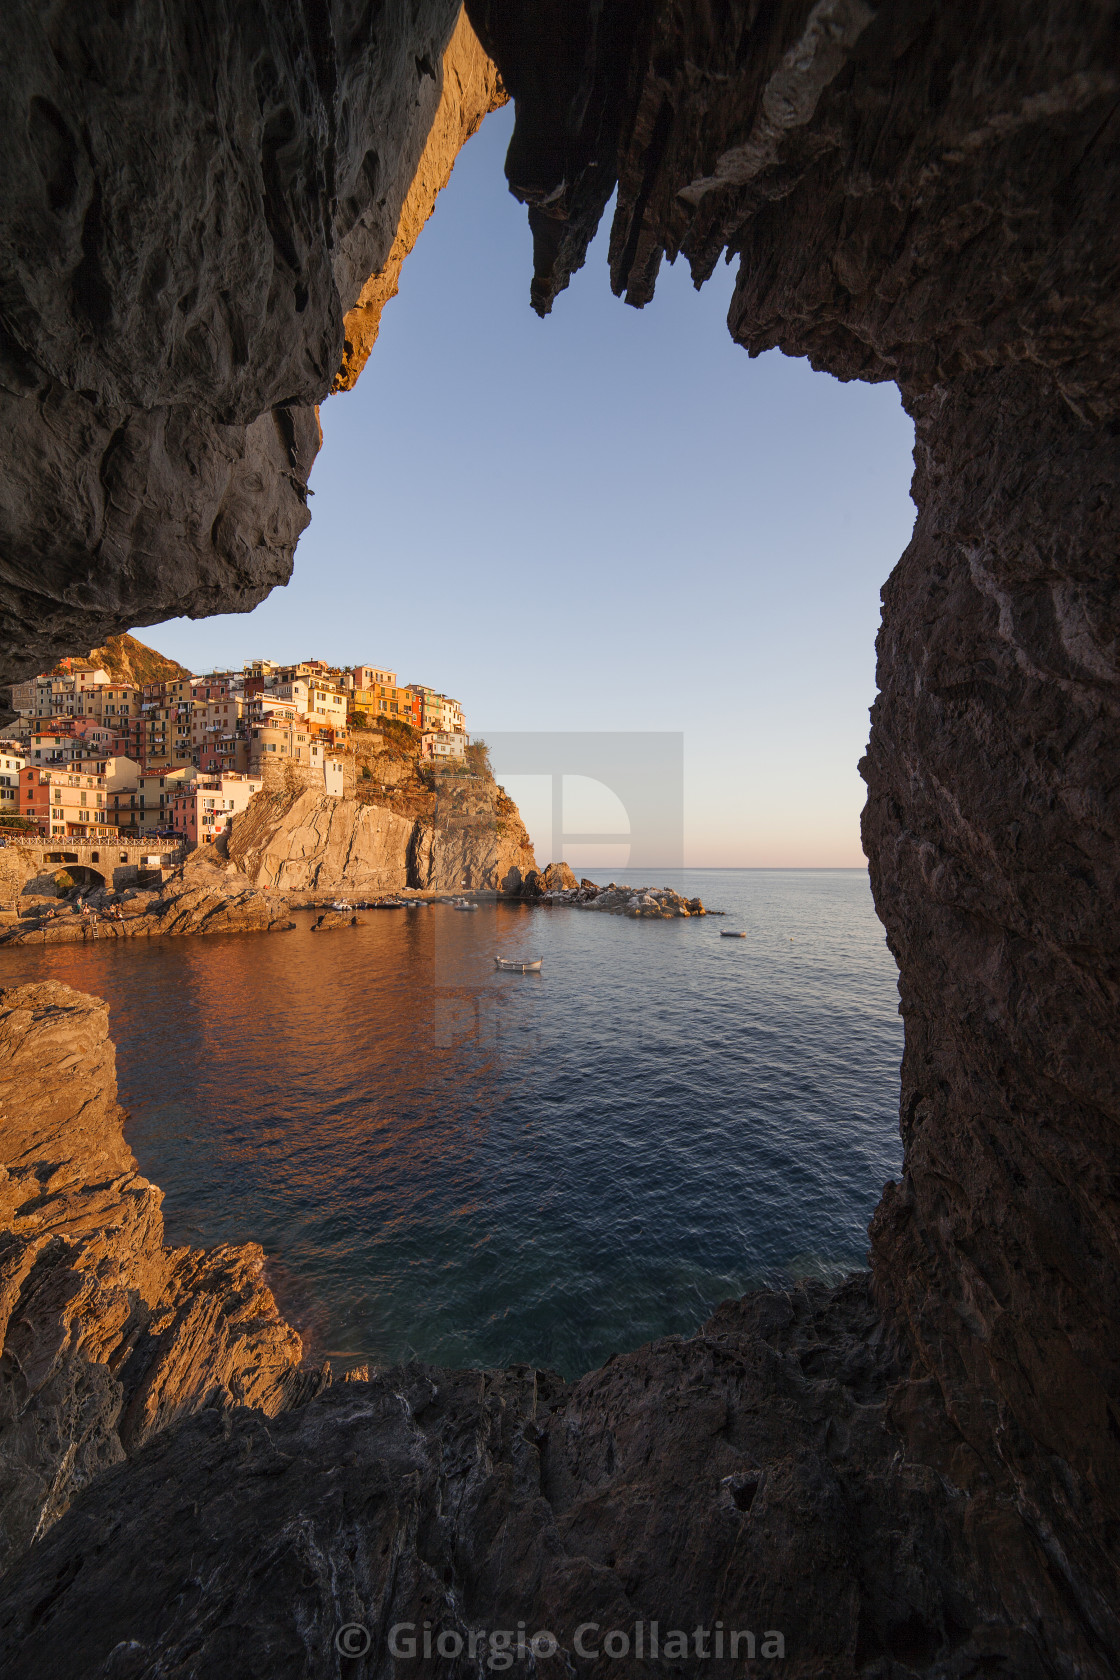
{"x":194,"y":196}
{"x":106,"y":1335}
{"x":750,"y":1474}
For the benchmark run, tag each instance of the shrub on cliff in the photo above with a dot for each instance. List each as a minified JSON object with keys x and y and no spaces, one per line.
{"x":397,"y":733}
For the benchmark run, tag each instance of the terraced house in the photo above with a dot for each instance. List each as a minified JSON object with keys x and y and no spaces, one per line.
{"x":69,"y":799}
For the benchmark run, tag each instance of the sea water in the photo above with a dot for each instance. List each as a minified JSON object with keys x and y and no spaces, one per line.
{"x":477,"y":1168}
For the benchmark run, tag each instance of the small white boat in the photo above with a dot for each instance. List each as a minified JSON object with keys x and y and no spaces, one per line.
{"x":731,"y":933}
{"x":463,"y":905}
{"x":341,"y":904}
{"x":508,"y":966}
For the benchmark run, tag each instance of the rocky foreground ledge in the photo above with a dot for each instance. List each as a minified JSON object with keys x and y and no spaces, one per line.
{"x":205,"y":895}
{"x":178,"y":1499}
{"x":106,"y":1334}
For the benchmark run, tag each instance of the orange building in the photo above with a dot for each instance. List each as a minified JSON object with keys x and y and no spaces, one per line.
{"x":64,"y":799}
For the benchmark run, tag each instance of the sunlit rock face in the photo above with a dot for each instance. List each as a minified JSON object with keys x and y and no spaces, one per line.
{"x":929,"y":194}
{"x":192,"y":199}
{"x":107,"y":1335}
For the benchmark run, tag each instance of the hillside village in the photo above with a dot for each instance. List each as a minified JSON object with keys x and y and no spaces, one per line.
{"x":95,"y":751}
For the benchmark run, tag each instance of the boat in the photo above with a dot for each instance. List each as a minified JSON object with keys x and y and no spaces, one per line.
{"x":731,"y":933}
{"x":341,"y":904}
{"x":509,"y":966}
{"x":463,"y":904}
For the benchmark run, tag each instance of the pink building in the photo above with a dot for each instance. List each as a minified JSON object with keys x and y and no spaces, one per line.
{"x":203,"y":809}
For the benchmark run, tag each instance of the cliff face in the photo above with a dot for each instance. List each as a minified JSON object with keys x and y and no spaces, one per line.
{"x":472,"y":89}
{"x":440,"y":834}
{"x":128,"y":660}
{"x":106,"y":1335}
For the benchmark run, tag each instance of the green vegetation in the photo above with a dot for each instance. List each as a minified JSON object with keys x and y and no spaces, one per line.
{"x":478,"y":757}
{"x":400,"y":733}
{"x":63,"y":883}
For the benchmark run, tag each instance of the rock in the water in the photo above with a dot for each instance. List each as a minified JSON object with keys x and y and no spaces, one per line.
{"x":558,"y":878}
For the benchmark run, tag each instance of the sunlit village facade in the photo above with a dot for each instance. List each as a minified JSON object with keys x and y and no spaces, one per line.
{"x":89,"y":755}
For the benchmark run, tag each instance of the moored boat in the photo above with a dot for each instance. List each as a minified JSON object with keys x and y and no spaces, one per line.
{"x":509,"y":966}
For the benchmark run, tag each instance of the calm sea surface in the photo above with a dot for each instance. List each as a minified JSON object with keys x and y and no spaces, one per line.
{"x":478,"y":1168}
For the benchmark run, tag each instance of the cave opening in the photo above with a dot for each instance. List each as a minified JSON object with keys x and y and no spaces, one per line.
{"x":712,"y":574}
{"x":927,"y":1455}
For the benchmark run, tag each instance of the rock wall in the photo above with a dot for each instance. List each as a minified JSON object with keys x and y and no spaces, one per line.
{"x":928,"y":197}
{"x":106,"y":1335}
{"x":194,"y":197}
{"x":472,"y":89}
{"x":915,"y":192}
{"x":310,"y":842}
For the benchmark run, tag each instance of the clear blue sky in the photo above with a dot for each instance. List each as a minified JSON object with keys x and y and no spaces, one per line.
{"x":611,"y":519}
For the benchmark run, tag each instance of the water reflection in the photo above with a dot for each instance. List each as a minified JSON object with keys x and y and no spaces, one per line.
{"x":480,"y":1167}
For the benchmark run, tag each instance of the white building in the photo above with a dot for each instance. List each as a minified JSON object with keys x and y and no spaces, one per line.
{"x":443,"y":743}
{"x":11,"y":763}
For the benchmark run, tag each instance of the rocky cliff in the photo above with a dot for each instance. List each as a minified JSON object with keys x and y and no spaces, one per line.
{"x":399,"y":825}
{"x":129,"y":660}
{"x":106,"y":1335}
{"x":472,"y":89}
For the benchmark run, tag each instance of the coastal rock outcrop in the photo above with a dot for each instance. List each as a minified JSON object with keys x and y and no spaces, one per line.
{"x":194,"y":899}
{"x":106,"y":1335}
{"x":557,"y":885}
{"x":469,"y":835}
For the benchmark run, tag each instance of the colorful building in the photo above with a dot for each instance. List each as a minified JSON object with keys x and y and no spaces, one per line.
{"x":443,"y":743}
{"x":66,"y":800}
{"x":204,"y":809}
{"x":439,"y":713}
{"x":384,"y":700}
{"x":156,"y":790}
